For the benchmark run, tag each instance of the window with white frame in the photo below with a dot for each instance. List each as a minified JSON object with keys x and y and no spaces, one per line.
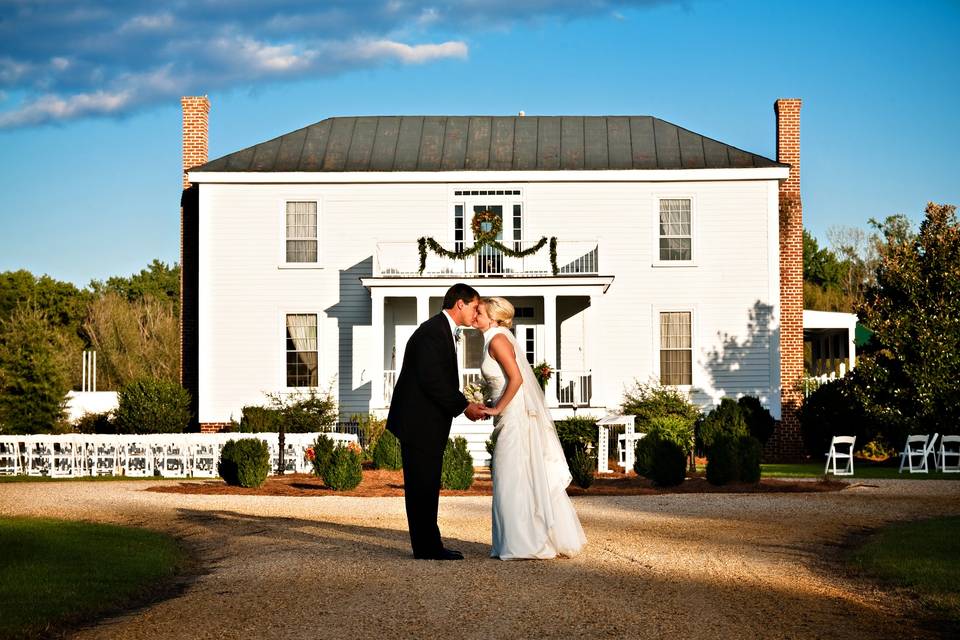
{"x":676,"y":239}
{"x":301,"y":226}
{"x":301,"y":347}
{"x":676,"y":348}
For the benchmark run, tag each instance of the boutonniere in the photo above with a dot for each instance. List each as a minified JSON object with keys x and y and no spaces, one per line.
{"x":458,"y":334}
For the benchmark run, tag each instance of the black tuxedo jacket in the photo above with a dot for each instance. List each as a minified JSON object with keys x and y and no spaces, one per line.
{"x":427,"y":396}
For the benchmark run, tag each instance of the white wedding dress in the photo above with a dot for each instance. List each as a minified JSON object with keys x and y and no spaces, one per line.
{"x":532,"y":514}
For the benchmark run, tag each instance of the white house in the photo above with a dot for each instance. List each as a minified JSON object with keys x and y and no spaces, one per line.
{"x":302,"y":266}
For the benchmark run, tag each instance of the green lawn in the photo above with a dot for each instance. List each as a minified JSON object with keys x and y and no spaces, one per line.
{"x":56,"y":573}
{"x":921,"y":556}
{"x":861,"y":471}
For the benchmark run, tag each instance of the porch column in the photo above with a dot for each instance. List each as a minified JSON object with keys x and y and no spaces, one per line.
{"x":423,"y":307}
{"x":590,"y":360}
{"x":376,"y":367}
{"x":550,"y":344}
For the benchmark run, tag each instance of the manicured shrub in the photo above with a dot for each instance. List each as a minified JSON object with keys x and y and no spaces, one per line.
{"x":322,"y":452}
{"x":582,"y":467}
{"x":457,"y":472}
{"x":760,"y":422}
{"x":676,"y":429}
{"x":748,"y":459}
{"x":345,"y":470}
{"x":643,"y":455}
{"x":725,"y":420}
{"x":653,"y":400}
{"x":244,"y":462}
{"x":722,"y":460}
{"x":152,"y":406}
{"x":576,"y":432}
{"x":386,"y":454}
{"x":255,"y":419}
{"x":309,"y":413}
{"x":370,"y":429}
{"x":669,"y":465}
{"x":95,"y":423}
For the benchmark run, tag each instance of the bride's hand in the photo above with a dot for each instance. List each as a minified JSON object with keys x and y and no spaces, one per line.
{"x":491,"y":411}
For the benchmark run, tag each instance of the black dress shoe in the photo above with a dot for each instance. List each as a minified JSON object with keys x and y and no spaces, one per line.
{"x":443,"y":554}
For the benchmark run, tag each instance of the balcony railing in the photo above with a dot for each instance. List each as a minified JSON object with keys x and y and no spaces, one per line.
{"x":576,"y":257}
{"x":573,"y":388}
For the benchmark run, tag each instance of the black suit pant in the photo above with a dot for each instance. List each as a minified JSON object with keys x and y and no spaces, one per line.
{"x":421,"y":494}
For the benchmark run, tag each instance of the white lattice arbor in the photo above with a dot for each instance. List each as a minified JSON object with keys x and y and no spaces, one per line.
{"x":603,"y":447}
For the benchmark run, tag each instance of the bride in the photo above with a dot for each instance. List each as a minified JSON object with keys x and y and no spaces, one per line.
{"x":532,"y":515}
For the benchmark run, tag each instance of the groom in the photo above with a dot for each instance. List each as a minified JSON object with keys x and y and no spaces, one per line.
{"x":426,"y":398}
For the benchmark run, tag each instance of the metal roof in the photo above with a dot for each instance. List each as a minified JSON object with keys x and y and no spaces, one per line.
{"x":488,"y":143}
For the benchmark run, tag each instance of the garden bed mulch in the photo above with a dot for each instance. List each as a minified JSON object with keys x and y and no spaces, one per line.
{"x":381,"y":483}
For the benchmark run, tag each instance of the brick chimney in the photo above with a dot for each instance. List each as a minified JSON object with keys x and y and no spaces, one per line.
{"x":196,"y":110}
{"x":787,"y":440}
{"x":195,"y":124}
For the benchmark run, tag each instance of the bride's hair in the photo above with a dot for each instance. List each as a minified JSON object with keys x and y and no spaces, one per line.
{"x":501,"y":310}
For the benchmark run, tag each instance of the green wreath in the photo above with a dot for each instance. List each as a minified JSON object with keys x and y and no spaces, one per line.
{"x":486,"y":217}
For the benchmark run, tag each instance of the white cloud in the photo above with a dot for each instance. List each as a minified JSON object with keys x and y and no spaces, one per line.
{"x":415,"y":54}
{"x":59,"y":63}
{"x":155,"y":22}
{"x":53,"y":107}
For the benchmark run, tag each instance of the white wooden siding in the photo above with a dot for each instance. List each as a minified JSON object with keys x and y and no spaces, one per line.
{"x":245,"y":292}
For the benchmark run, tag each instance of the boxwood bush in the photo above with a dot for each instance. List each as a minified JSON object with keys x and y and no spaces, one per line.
{"x":748,"y":459}
{"x":344,"y":470}
{"x":322,"y":452}
{"x":760,"y":422}
{"x":244,"y":462}
{"x":669,"y":465}
{"x":457,"y":472}
{"x":95,"y":423}
{"x":386,"y":453}
{"x":147,"y":405}
{"x":582,"y":467}
{"x":576,"y":432}
{"x":722,"y":462}
{"x":256,"y":419}
{"x":725,"y":420}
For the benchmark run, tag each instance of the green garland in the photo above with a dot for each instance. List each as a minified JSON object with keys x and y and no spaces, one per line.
{"x":425,"y":243}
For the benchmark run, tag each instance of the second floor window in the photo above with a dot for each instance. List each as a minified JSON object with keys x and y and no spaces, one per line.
{"x":676,"y":240}
{"x":302,"y":232}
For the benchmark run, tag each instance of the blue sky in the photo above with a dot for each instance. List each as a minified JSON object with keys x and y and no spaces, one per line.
{"x":90,"y":121}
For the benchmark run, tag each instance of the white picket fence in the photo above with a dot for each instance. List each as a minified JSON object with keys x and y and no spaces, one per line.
{"x":177,"y":455}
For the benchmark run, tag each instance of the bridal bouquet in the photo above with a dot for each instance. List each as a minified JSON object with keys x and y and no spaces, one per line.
{"x":478,"y":392}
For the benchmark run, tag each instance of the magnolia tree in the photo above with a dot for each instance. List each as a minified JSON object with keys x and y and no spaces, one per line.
{"x":908,"y":378}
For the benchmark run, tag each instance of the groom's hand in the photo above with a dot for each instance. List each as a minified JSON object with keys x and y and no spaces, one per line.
{"x":474,"y":412}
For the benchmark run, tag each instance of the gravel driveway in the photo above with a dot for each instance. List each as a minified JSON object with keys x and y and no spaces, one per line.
{"x":712,"y":565}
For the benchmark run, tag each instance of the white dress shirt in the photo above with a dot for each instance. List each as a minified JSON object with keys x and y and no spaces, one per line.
{"x":453,"y":328}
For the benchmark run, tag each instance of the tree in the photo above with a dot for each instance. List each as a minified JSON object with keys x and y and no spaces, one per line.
{"x":133,"y":340}
{"x":823,"y":275}
{"x":914,"y":311}
{"x":33,"y":380}
{"x":157,"y":281}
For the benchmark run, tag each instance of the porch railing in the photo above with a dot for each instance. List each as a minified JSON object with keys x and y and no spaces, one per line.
{"x":577,"y":257}
{"x":573,"y":388}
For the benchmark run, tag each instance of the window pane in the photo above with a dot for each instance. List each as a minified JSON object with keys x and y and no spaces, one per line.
{"x":675,"y":240}
{"x":301,"y":228}
{"x":676,"y":353}
{"x":301,"y":346}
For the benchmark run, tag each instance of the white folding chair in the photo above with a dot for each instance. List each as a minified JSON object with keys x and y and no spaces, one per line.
{"x":845,"y":453}
{"x":176,"y":455}
{"x":950,"y":448}
{"x":10,"y":464}
{"x":38,"y":455}
{"x":137,"y":455}
{"x":104,"y":455}
{"x":915,"y":447}
{"x":204,"y":449}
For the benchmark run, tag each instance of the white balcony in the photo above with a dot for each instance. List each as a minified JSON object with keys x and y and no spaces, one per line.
{"x":575,"y":257}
